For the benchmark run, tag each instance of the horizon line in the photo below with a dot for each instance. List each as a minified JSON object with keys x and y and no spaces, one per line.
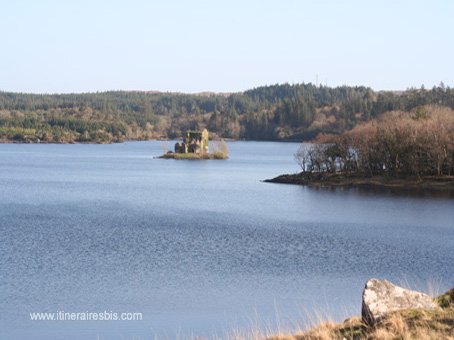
{"x":223,"y":93}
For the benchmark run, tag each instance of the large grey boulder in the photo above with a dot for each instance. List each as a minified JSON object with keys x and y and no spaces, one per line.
{"x":381,"y":297}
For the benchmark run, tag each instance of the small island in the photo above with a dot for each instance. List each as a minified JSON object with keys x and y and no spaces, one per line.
{"x":195,"y":147}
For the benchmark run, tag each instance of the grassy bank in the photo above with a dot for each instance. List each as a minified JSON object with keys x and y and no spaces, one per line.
{"x":324,"y":179}
{"x":194,"y":156}
{"x":404,"y":324}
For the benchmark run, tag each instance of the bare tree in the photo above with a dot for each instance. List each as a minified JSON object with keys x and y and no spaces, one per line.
{"x":397,"y":143}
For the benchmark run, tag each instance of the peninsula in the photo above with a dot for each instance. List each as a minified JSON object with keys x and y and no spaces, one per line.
{"x":411,"y":150}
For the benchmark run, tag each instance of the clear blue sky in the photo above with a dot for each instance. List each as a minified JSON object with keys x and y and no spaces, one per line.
{"x":223,"y":46}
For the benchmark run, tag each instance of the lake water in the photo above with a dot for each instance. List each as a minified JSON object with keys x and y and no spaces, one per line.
{"x":198,"y":247}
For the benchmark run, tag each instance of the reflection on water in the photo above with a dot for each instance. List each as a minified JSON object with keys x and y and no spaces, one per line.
{"x":197,"y":247}
{"x":390,"y":192}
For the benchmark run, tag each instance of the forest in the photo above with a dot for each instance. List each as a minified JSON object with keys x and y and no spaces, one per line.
{"x":418,"y":143}
{"x":296,"y":112}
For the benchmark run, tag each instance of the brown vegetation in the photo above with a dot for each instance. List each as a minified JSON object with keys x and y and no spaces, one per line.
{"x":418,"y":143}
{"x":219,"y":149}
{"x":404,"y":324}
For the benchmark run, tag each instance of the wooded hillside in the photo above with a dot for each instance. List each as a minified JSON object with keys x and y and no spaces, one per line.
{"x":277,"y":112}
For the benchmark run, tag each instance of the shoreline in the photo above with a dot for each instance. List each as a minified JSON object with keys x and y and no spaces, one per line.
{"x":193,"y":156}
{"x":330,"y":180}
{"x":8,"y":141}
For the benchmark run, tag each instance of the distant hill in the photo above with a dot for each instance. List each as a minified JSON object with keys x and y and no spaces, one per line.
{"x":276,"y":112}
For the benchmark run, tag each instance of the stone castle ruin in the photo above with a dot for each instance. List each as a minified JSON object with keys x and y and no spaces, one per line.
{"x":193,"y":142}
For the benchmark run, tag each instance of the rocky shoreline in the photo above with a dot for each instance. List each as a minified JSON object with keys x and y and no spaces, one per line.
{"x":323,"y":179}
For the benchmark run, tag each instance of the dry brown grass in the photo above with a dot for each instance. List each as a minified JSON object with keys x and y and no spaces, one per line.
{"x":403,"y":325}
{"x":400,"y":325}
{"x":408,"y":324}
